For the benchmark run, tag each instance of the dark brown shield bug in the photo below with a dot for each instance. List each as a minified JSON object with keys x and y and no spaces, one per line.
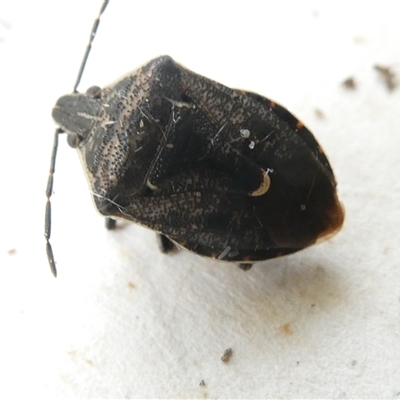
{"x":225,"y":173}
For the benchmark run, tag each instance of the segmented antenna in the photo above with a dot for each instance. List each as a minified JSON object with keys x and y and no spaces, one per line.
{"x":50,"y":180}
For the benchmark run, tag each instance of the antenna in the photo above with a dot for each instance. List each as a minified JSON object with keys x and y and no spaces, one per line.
{"x":50,"y":179}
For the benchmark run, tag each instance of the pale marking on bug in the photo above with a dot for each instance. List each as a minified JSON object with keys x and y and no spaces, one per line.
{"x":263,"y":188}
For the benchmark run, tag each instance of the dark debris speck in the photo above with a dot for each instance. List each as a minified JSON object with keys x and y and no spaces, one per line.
{"x":388,"y":76}
{"x":227,"y":355}
{"x":349,"y":83}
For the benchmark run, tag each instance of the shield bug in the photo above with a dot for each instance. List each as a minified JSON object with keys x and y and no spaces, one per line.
{"x":225,"y":173}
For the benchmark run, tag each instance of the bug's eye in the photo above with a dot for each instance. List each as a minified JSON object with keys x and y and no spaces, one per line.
{"x":94,"y":92}
{"x":73,"y":139}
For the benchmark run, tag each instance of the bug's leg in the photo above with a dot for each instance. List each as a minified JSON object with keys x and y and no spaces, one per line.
{"x":165,"y":244}
{"x":245,"y":266}
{"x":110,"y":223}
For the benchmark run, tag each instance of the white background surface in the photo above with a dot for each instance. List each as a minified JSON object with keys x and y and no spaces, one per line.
{"x":123,"y":320}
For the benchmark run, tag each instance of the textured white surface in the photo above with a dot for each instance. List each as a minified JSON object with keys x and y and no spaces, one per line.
{"x":123,"y":320}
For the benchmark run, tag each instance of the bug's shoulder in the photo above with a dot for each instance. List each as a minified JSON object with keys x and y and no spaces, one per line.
{"x":160,"y":70}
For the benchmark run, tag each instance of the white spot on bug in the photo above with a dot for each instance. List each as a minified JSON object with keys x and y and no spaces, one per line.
{"x":302,"y":207}
{"x":109,"y":123}
{"x":251,"y":145}
{"x":169,"y":146}
{"x":179,"y":104}
{"x":141,"y":124}
{"x":245,"y":133}
{"x":151,"y":186}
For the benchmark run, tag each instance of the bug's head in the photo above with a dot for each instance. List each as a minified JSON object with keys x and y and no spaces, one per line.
{"x":114,"y":139}
{"x":84,"y":118}
{"x":76,"y":114}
